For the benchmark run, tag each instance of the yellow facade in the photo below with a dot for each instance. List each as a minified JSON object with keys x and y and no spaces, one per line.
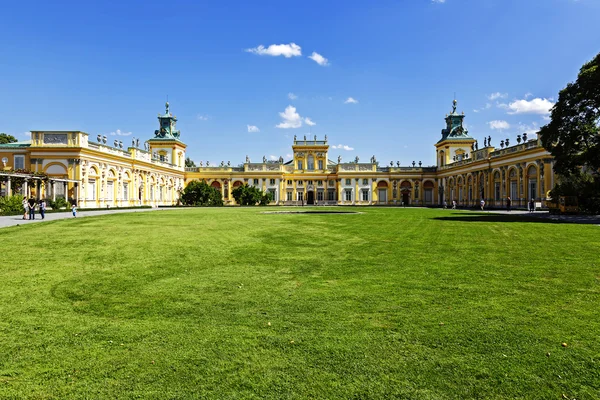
{"x":98,"y":174}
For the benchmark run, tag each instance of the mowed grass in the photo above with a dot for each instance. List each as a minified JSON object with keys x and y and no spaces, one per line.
{"x":235,"y":304}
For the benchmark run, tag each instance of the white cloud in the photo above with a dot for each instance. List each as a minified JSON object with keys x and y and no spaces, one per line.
{"x":476,"y":111}
{"x":351,"y":100}
{"x":291,"y":119}
{"x":528,"y":95}
{"x":253,"y":129}
{"x":27,"y":134}
{"x":118,"y":132}
{"x":497,"y":95}
{"x":533,"y":106}
{"x":289,"y":156}
{"x":500,"y":125}
{"x":545,"y":118}
{"x":309,"y":122}
{"x":202,"y":117}
{"x":292,"y":96}
{"x":532,"y":128}
{"x":286,"y":50}
{"x":342,"y":147}
{"x":272,"y":157}
{"x":438,"y":1}
{"x":319,"y":59}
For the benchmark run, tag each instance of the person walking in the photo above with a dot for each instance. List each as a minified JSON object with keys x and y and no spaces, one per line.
{"x":74,"y":210}
{"x":531,"y":206}
{"x":25,"y":207}
{"x":508,"y":202}
{"x":43,"y":208}
{"x":445,"y":205}
{"x":454,"y":204}
{"x":482,"y":203}
{"x":32,"y":205}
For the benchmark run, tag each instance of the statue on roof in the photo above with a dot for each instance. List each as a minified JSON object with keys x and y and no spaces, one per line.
{"x":264,"y":159}
{"x":247,"y":158}
{"x":294,"y":138}
{"x":339,"y":159}
{"x":454,"y":103}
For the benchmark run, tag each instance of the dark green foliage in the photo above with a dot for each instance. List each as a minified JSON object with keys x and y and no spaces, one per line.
{"x":190,"y":163}
{"x":6,"y":138}
{"x":59,"y":203}
{"x":198,"y":193}
{"x":11,"y":205}
{"x":250,"y":196}
{"x":573,"y":134}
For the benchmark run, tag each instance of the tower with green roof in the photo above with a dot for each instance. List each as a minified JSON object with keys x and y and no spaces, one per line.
{"x":166,"y":145}
{"x":455,"y":143}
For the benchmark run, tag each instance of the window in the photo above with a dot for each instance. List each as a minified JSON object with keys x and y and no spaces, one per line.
{"x":271,"y":181}
{"x":300,"y":196}
{"x":365,"y":195}
{"x":299,"y":164}
{"x":319,"y":183}
{"x":255,"y":181}
{"x":348,"y":182}
{"x":348,"y":195}
{"x":331,"y":195}
{"x":125,"y":191}
{"x":310,"y":182}
{"x":365,"y":181}
{"x":289,"y":196}
{"x":273,"y":194}
{"x":320,"y":195}
{"x":300,"y":183}
{"x":110,"y":190}
{"x":290,"y":183}
{"x":332,"y":183}
{"x":19,"y":162}
{"x":320,"y":164}
{"x":311,"y":163}
{"x":162,"y":157}
{"x":497,"y":190}
{"x":92,"y":189}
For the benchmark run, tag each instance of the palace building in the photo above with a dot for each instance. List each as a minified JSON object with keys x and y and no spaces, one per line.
{"x":97,"y":173}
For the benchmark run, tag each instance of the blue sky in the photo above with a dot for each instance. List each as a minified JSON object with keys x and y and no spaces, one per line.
{"x":107,"y":68}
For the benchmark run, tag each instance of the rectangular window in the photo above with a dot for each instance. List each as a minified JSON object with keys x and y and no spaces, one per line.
{"x":497,"y":191}
{"x":273,"y":194}
{"x":110,"y":190}
{"x":320,"y":164}
{"x":332,"y":183}
{"x":330,"y":195}
{"x":290,"y":183}
{"x":255,"y":181}
{"x":272,"y":181}
{"x":310,"y":182}
{"x":300,"y":183}
{"x":365,"y":195}
{"x":125,"y":191}
{"x":365,"y":181}
{"x":348,"y":182}
{"x":348,"y":195}
{"x":320,"y":195}
{"x":300,"y":196}
{"x":19,"y":162}
{"x":299,"y":164}
{"x":319,"y":183}
{"x":92,"y":189}
{"x":289,"y":196}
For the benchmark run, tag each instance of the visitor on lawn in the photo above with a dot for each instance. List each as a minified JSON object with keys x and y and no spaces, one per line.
{"x":43,"y":208}
{"x":482,"y":203}
{"x":25,"y":207}
{"x":74,"y":210}
{"x":508,"y":202}
{"x":531,"y":205}
{"x":32,"y":205}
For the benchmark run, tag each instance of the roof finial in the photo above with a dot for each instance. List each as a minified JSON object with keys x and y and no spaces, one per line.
{"x":454,"y":102}
{"x":167,"y":105}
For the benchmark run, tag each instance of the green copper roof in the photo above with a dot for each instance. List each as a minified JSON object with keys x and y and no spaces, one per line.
{"x":25,"y":143}
{"x":167,"y":123}
{"x":454,"y":126}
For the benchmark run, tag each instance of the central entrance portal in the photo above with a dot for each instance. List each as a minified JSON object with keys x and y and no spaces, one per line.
{"x":310,"y":197}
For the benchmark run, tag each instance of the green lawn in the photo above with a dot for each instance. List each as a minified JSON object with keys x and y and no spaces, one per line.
{"x":232,"y":303}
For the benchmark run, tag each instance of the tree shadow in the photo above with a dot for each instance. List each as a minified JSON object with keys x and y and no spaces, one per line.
{"x":539,"y":218}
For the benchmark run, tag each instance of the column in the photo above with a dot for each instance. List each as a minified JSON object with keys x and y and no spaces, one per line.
{"x":66,"y":190}
{"x":25,"y":191}
{"x":8,"y":187}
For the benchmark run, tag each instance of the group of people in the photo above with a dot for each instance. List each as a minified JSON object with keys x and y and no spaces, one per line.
{"x":530,"y":204}
{"x":29,"y":206}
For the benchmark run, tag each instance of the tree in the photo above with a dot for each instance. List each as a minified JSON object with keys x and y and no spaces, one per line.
{"x":250,"y":196}
{"x":190,"y":163}
{"x":573,"y":135}
{"x":198,"y":193}
{"x":6,"y":138}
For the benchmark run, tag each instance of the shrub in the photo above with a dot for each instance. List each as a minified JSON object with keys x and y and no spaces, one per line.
{"x":11,"y":205}
{"x":59,"y":203}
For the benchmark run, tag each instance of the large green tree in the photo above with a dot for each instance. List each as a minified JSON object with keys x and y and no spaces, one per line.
{"x":6,"y":138}
{"x":250,"y":196}
{"x":198,"y":193}
{"x":190,"y":163}
{"x":573,"y":135}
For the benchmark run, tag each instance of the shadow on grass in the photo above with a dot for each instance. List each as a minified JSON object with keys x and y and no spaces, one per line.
{"x":544,"y":219}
